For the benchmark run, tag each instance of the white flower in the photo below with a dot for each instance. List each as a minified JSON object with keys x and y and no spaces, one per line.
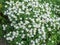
{"x":28,"y":35}
{"x":20,"y":18}
{"x":16,"y":27}
{"x":6,"y":6}
{"x":36,"y":40}
{"x":22,"y":31}
{"x":49,"y":39}
{"x":29,"y":26}
{"x":13,"y":16}
{"x":32,"y":42}
{"x":12,"y":37}
{"x":39,"y":31}
{"x":8,"y":34}
{"x":52,"y":41}
{"x":9,"y":38}
{"x":14,"y":33}
{"x":11,"y":1}
{"x":23,"y":7}
{"x":4,"y":36}
{"x":34,"y":31}
{"x":27,"y":11}
{"x":49,"y":29}
{"x":32,"y":35}
{"x":22,"y":42}
{"x":7,"y":2}
{"x":4,"y":27}
{"x":19,"y":44}
{"x":26,"y":22}
{"x":26,"y":0}
{"x":39,"y":37}
{"x":23,"y":36}
{"x":58,"y":19}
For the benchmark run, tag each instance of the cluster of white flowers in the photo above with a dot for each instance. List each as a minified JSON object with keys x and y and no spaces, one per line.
{"x":9,"y":37}
{"x":30,"y":19}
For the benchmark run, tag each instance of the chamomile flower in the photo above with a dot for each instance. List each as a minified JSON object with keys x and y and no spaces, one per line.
{"x":30,"y":20}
